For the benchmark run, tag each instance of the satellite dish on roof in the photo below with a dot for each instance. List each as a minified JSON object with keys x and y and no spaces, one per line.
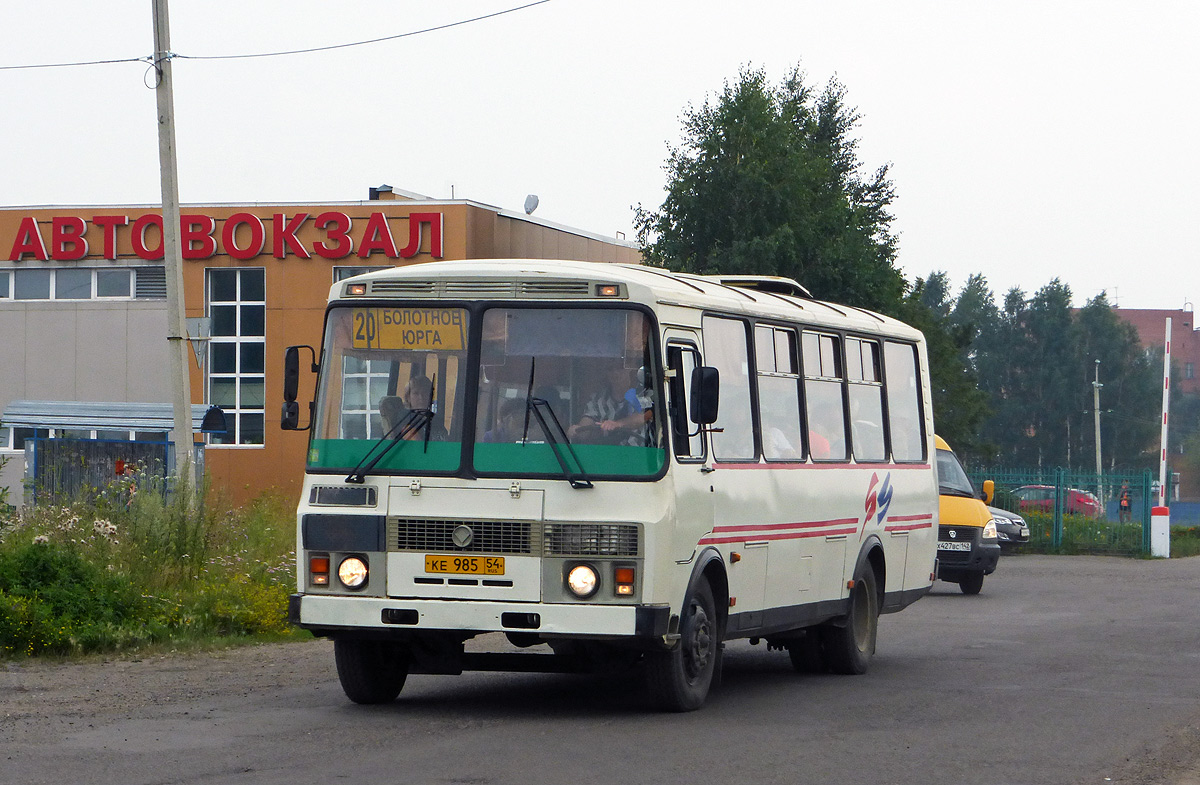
{"x":531,"y":203}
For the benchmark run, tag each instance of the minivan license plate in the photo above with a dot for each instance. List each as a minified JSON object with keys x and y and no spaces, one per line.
{"x":945,"y":545}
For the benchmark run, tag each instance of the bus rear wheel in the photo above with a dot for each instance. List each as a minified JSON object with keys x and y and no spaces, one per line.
{"x":679,"y":679}
{"x":371,"y":672}
{"x":848,"y":647}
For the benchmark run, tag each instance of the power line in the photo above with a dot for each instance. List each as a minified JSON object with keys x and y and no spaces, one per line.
{"x":69,"y":65}
{"x":282,"y":53}
{"x":363,"y":43}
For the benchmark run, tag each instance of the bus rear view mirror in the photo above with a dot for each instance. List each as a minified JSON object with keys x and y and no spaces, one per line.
{"x":289,"y":419}
{"x":291,"y":374}
{"x":705,"y":395}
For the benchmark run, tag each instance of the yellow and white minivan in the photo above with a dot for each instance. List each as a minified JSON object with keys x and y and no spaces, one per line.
{"x":968,"y":547}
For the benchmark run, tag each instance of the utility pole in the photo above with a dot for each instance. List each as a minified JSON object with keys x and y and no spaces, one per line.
{"x":1096,"y":385}
{"x":181,"y":390}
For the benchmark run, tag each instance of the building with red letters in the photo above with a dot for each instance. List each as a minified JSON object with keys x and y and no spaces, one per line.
{"x":83,"y":312}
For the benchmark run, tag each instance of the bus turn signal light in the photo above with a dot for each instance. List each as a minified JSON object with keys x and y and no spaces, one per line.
{"x":623,"y":579}
{"x":318,"y":570}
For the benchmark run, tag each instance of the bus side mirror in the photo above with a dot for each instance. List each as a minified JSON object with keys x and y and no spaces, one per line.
{"x":291,"y":373}
{"x":705,"y":395}
{"x":989,"y":491}
{"x":289,"y":419}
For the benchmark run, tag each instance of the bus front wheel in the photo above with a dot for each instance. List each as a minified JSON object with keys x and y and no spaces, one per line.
{"x":370,"y":671}
{"x":680,"y":679}
{"x":848,"y":647}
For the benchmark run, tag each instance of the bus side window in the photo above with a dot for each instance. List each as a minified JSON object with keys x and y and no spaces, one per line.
{"x":726,"y":348}
{"x":866,"y":400}
{"x":778,"y":393}
{"x":686,"y":436}
{"x":905,"y":422}
{"x":823,"y":396}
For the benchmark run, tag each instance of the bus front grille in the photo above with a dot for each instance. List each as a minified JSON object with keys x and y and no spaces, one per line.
{"x":517,"y":537}
{"x":591,"y":539}
{"x":421,"y":534}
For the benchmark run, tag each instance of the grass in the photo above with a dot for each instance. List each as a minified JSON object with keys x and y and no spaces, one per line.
{"x":1082,"y":535}
{"x":129,"y":567}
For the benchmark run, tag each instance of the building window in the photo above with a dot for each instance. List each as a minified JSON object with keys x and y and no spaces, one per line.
{"x":68,"y":283}
{"x":1189,"y":370}
{"x":236,"y":359}
{"x":19,"y":435}
{"x":363,"y":381}
{"x":31,"y":284}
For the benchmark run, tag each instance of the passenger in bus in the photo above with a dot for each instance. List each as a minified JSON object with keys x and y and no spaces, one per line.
{"x":510,"y":422}
{"x":818,"y":445}
{"x":777,"y":414}
{"x":618,"y":411}
{"x":392,"y":411}
{"x":395,"y":410}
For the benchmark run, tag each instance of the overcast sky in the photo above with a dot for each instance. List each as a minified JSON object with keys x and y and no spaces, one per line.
{"x":1027,"y":140}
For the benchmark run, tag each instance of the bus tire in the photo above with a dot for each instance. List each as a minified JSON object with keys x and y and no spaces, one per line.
{"x":805,"y":652}
{"x":679,"y":679}
{"x":371,"y":672}
{"x":972,"y":583}
{"x":848,"y":647}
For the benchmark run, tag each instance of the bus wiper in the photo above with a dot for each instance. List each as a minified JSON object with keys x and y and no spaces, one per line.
{"x":534,"y":406}
{"x":945,"y":491}
{"x":578,"y":479}
{"x":413,"y":421}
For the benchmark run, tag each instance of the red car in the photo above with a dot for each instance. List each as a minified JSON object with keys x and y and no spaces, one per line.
{"x":1041,"y":498}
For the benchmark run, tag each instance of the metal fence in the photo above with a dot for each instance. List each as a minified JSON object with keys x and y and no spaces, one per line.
{"x":1078,"y":512}
{"x":63,"y":470}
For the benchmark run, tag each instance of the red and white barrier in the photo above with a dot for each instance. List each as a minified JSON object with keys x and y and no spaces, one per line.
{"x":1160,"y":532}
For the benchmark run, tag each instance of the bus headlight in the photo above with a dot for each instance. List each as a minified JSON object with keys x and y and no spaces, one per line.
{"x":989,"y":530}
{"x":352,"y":572}
{"x":582,"y":580}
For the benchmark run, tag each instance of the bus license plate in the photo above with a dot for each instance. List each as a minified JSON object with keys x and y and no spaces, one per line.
{"x":944,"y":545}
{"x":464,"y":565}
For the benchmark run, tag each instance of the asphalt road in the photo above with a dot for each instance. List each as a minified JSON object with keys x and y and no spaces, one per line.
{"x":1063,"y":670}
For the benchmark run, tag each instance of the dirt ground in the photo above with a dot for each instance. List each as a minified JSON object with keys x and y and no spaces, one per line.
{"x":62,"y":719}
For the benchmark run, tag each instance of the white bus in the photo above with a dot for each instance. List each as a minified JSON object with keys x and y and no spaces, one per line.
{"x":611,"y":465}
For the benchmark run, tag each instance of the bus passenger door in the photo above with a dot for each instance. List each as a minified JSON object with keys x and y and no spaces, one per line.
{"x":691,"y":474}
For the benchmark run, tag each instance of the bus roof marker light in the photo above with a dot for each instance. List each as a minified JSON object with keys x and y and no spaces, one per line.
{"x":356,"y":289}
{"x":608,"y":290}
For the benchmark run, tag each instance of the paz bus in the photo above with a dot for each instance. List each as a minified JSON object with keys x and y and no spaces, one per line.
{"x":610,"y":466}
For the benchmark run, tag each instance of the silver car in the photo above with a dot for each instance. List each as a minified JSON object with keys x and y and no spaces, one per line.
{"x":1011,"y":529}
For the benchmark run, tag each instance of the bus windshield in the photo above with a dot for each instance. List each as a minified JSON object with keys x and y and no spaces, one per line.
{"x":592,"y":368}
{"x":561,"y":392}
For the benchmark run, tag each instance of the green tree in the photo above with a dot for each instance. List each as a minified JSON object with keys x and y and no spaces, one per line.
{"x":959,"y":406}
{"x":767,"y":181}
{"x":1027,"y":377}
{"x":1130,"y":400}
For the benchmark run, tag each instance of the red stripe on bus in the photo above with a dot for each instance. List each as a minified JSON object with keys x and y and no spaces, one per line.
{"x":789,"y":536}
{"x":797,"y":525}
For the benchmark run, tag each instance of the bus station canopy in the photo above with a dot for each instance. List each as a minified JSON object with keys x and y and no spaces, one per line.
{"x":100,"y":415}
